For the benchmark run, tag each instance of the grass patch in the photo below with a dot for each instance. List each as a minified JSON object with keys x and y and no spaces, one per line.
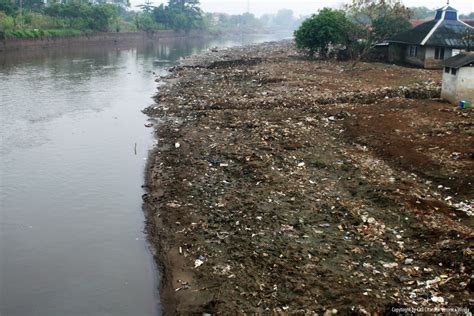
{"x":52,"y":33}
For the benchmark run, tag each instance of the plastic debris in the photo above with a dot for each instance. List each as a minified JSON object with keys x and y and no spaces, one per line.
{"x":466,"y":207}
{"x":362,"y":218}
{"x":184,"y":286}
{"x":198,"y":262}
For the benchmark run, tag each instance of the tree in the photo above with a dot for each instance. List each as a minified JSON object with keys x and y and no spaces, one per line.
{"x":319,"y":31}
{"x":185,"y":5}
{"x":422,"y":12}
{"x":147,"y":7}
{"x":6,"y":24}
{"x":377,"y":20}
{"x":469,"y":16}
{"x":284,"y":18}
{"x":179,"y":14}
{"x":8,"y":7}
{"x":468,"y":39}
{"x":33,"y":5}
{"x":389,"y":25}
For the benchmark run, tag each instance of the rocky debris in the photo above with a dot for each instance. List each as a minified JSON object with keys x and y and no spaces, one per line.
{"x":268,"y":200}
{"x":424,"y":90}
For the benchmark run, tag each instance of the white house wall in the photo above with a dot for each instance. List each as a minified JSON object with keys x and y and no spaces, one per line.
{"x":448,"y":87}
{"x":458,"y":87}
{"x":465,"y":84}
{"x":431,"y":62}
{"x":415,"y":60}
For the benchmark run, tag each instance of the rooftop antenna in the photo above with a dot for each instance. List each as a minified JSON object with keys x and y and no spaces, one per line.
{"x":447,"y":2}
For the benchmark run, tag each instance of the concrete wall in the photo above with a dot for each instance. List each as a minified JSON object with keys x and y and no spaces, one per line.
{"x":431,"y":62}
{"x":396,"y":52}
{"x":448,"y":86}
{"x":419,"y":59}
{"x":17,"y":44}
{"x":465,"y":84}
{"x":458,"y":87}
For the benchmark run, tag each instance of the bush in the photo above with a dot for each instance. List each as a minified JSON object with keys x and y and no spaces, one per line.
{"x":63,"y":33}
{"x":53,"y":33}
{"x":41,"y":21}
{"x":8,"y":8}
{"x":6,"y":22}
{"x":319,"y":31}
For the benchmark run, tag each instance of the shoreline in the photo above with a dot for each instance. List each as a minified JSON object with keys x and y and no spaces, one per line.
{"x":285,"y":185}
{"x":8,"y":46}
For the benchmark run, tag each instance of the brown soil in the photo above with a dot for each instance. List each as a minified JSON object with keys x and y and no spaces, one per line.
{"x":262,"y":199}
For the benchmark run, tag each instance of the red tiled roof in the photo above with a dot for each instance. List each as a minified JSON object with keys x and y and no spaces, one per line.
{"x":470,"y":22}
{"x":416,"y":22}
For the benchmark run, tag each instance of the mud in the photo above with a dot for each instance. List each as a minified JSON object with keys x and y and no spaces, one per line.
{"x":264,"y":198}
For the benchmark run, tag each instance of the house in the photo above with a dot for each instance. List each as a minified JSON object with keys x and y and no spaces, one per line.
{"x":458,"y":78}
{"x":429,"y":43}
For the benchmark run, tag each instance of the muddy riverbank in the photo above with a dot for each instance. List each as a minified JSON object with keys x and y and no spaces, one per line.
{"x":281,"y":184}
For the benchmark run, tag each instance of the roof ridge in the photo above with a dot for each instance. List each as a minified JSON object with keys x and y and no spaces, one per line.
{"x":430,"y":33}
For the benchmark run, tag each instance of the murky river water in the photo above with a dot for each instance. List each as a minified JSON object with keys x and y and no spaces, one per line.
{"x":71,"y":219}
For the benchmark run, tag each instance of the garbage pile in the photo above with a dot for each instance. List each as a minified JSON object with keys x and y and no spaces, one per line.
{"x":259,"y":201}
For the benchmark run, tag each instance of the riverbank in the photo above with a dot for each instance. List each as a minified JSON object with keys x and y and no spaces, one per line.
{"x":111,"y":38}
{"x":281,"y":184}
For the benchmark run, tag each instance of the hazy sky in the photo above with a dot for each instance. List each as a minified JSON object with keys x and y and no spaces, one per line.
{"x":303,"y":7}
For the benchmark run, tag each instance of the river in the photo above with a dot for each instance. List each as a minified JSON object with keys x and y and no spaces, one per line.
{"x":73,"y":147}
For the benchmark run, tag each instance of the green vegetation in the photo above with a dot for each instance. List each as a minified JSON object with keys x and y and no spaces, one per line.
{"x":76,"y":17}
{"x":367,"y":23}
{"x":34,"y":19}
{"x":179,"y":15}
{"x":469,"y":16}
{"x":58,"y":18}
{"x":422,"y":12}
{"x":319,"y":31}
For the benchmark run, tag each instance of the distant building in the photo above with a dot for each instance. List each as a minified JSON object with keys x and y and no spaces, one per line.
{"x":458,"y":78}
{"x":429,"y":43}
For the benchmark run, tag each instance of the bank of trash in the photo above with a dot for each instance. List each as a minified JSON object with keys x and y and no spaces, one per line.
{"x":277,"y":186}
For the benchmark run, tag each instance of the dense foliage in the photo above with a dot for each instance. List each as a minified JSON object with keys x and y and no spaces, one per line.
{"x":422,"y":12}
{"x":179,"y":15}
{"x":75,"y":17}
{"x":367,"y":23}
{"x":319,"y":31}
{"x":34,"y":19}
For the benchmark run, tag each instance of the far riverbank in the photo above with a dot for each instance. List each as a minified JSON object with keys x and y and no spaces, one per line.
{"x":111,"y":38}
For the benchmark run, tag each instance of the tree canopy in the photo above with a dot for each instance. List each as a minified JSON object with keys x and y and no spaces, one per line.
{"x":376,"y":20}
{"x":317,"y":32}
{"x":422,"y":12}
{"x":367,"y":23}
{"x":179,"y":14}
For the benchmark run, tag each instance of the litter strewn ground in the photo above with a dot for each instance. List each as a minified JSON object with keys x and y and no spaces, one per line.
{"x":281,"y":184}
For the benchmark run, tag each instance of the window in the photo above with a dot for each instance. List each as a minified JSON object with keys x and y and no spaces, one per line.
{"x":413,"y":51}
{"x":446,"y":70}
{"x":439,"y":53}
{"x":453,"y":71}
{"x":451,"y":15}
